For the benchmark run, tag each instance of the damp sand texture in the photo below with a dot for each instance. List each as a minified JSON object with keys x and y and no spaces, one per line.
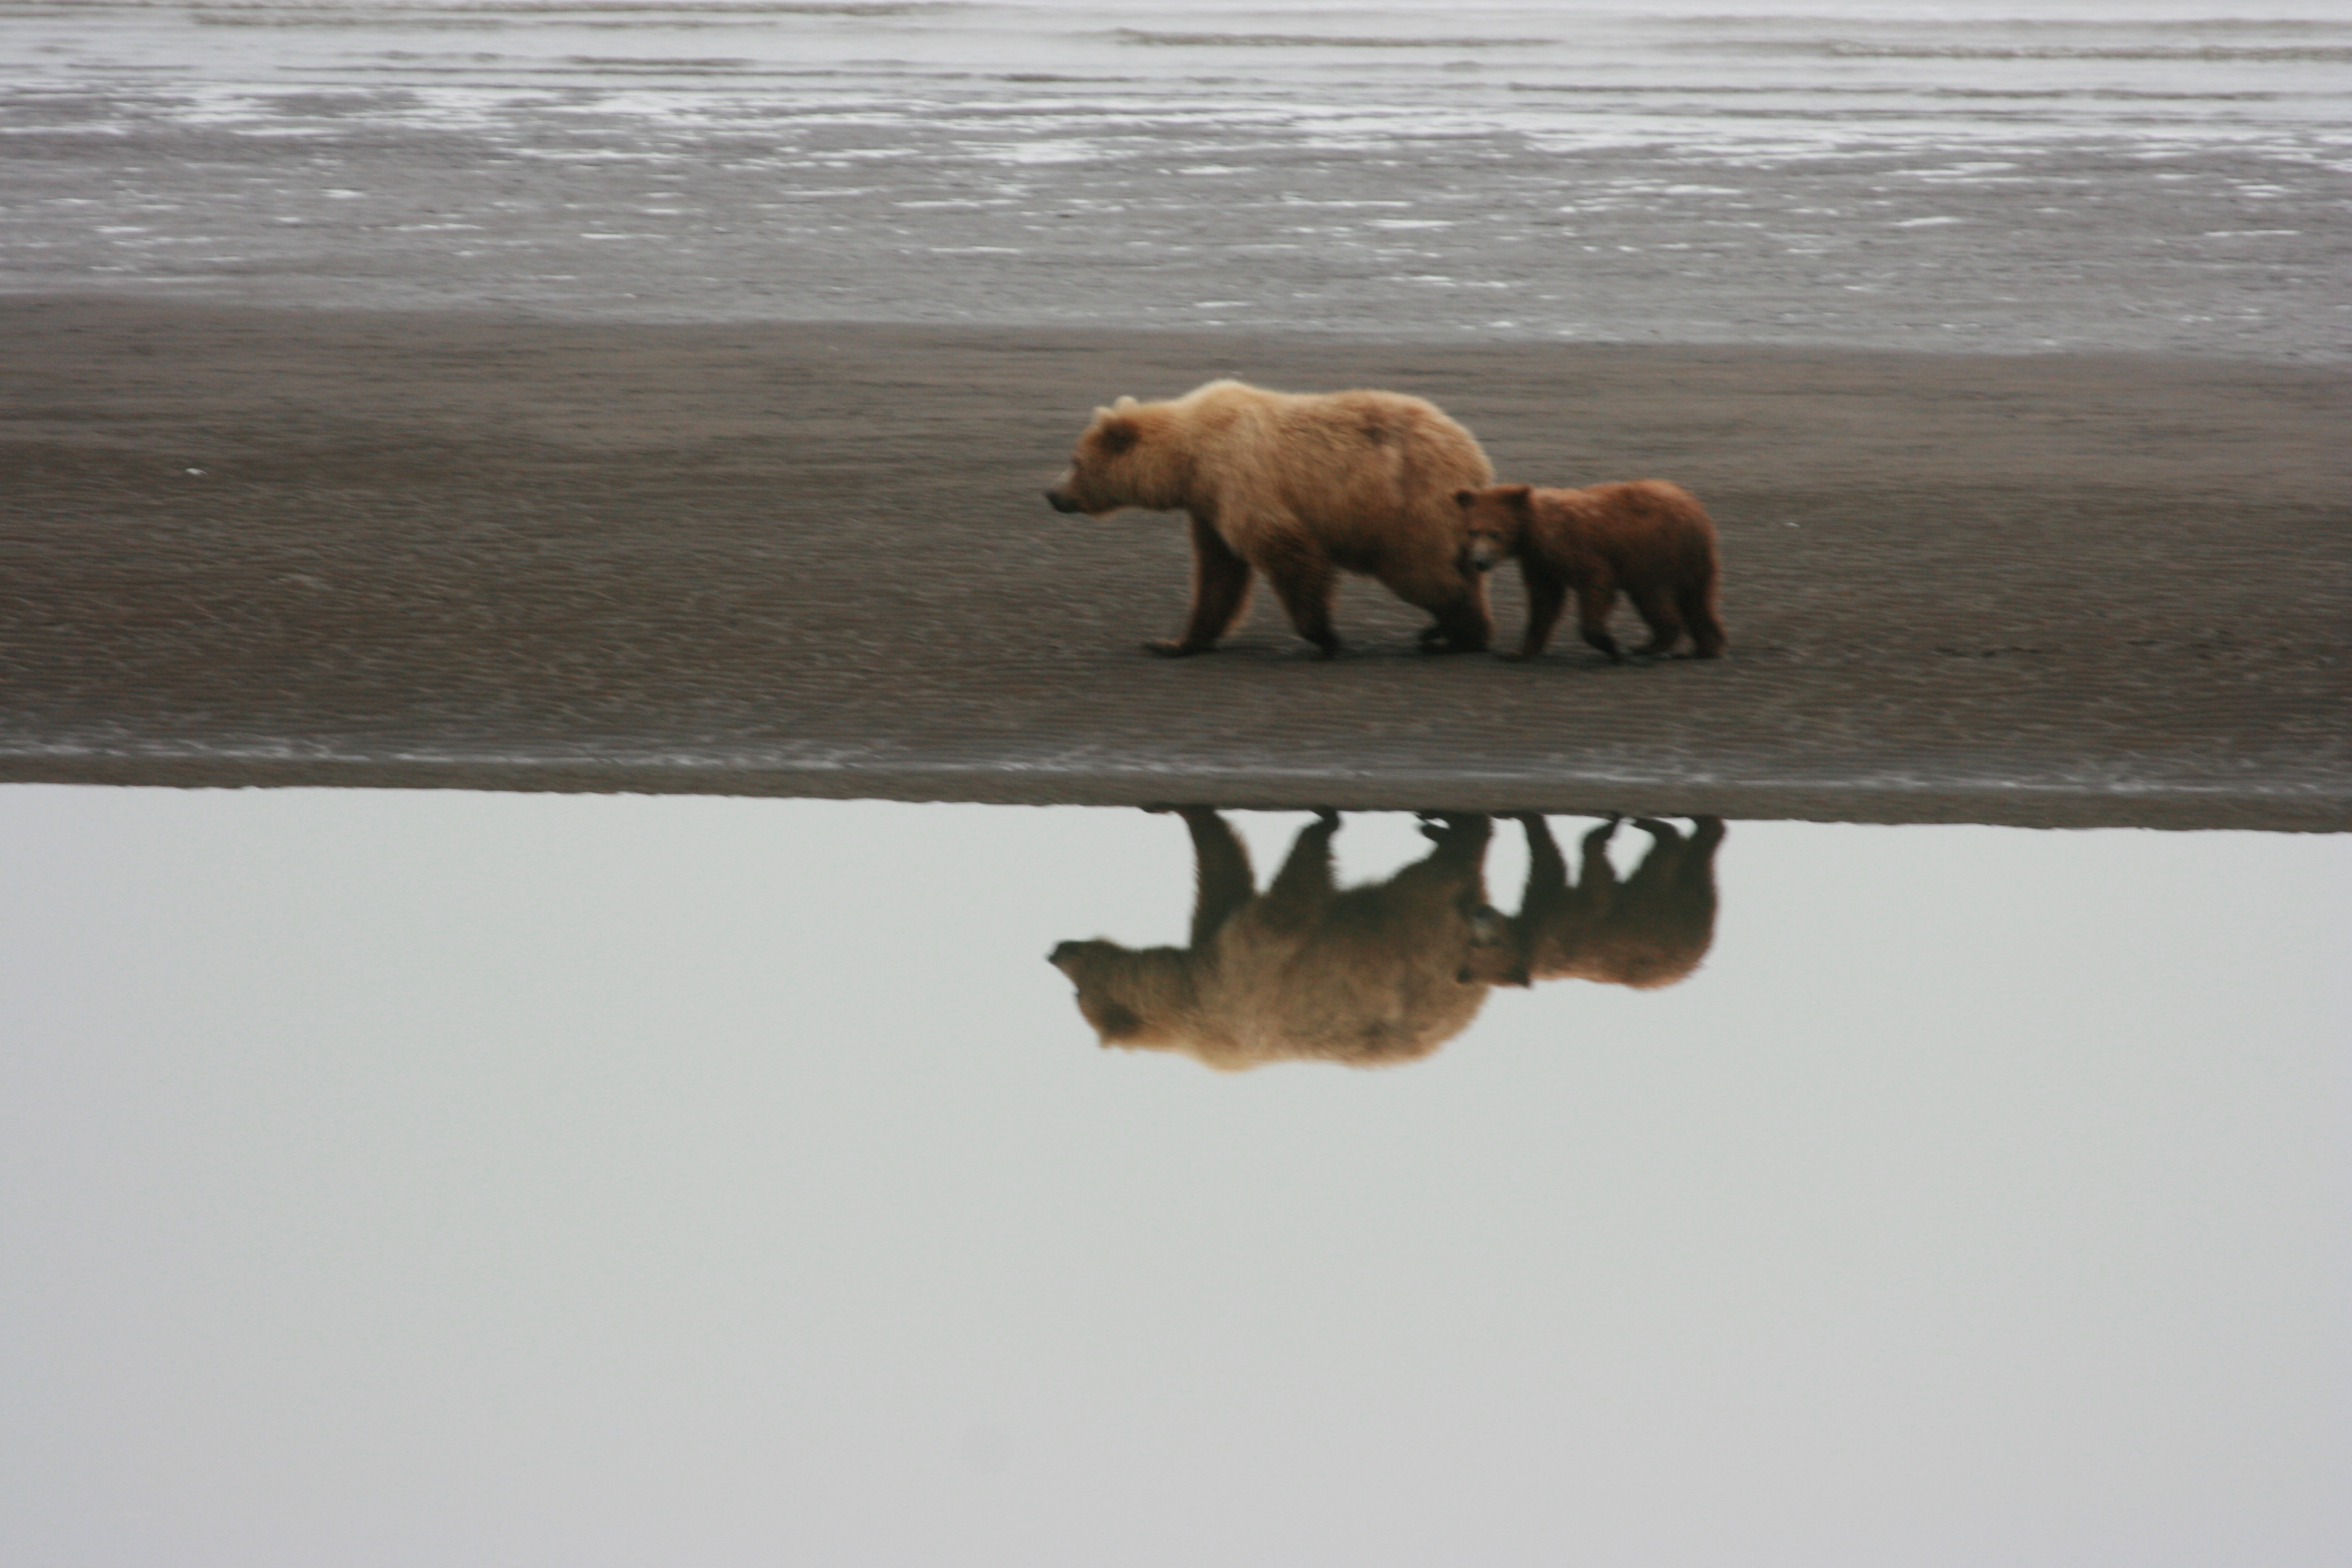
{"x":245,"y":546}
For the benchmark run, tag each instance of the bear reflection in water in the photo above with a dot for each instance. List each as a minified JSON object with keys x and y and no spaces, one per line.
{"x":1647,"y":932}
{"x":1388,"y":973}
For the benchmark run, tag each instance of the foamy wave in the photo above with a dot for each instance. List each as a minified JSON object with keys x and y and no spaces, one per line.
{"x":1315,"y":41}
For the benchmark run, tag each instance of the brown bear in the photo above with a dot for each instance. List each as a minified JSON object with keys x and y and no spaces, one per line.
{"x":1305,"y":970}
{"x":1646,"y":537}
{"x":1300,"y":487}
{"x":1650,"y":931}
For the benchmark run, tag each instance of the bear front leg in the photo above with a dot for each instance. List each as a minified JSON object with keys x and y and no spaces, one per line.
{"x":1596,"y":874}
{"x":1546,"y":595}
{"x":1221,"y":580}
{"x":1458,"y":833}
{"x":1463,"y":623}
{"x":1546,"y":870}
{"x":1224,"y":880}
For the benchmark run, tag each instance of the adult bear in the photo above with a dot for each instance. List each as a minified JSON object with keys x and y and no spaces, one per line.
{"x":1306,"y":971}
{"x":1301,"y":487}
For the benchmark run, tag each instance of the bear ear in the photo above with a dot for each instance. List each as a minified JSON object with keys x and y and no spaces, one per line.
{"x":1518,"y":497}
{"x":1124,"y":404}
{"x":1466,"y":499}
{"x":1115,"y":433}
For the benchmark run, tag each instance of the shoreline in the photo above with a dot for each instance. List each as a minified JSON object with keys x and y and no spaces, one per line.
{"x":1987,"y":804}
{"x":240,"y":544}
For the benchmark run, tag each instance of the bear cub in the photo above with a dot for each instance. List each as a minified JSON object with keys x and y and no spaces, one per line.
{"x":1646,"y":538}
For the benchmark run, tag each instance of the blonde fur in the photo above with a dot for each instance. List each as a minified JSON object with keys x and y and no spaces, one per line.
{"x":1305,"y":970}
{"x":1299,"y":487}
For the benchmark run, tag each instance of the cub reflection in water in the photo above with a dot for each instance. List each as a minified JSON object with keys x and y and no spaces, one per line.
{"x":1649,"y":930}
{"x":1305,"y":970}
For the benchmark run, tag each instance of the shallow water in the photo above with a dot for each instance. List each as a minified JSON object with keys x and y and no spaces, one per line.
{"x":2102,"y":176}
{"x":420,"y":1177}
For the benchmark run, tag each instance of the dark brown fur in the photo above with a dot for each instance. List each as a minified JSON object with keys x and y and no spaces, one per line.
{"x":1650,"y":931}
{"x":1646,"y":538}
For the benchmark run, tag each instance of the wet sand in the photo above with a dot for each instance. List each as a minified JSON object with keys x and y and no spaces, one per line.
{"x":254,"y":547}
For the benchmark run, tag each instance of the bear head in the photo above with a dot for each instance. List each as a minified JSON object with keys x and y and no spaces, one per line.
{"x":1132,"y":998}
{"x":1498,"y":954}
{"x":1494,"y":521}
{"x":1130,"y":455}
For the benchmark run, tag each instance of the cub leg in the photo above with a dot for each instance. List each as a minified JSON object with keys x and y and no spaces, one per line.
{"x":1594,"y":600}
{"x":1657,"y":611}
{"x":1706,"y":626}
{"x":1596,"y":874}
{"x":1547,"y":592}
{"x":1546,"y":870}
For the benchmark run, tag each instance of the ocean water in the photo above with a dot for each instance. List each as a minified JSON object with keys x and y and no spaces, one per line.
{"x":403,"y":1178}
{"x":1978,"y":175}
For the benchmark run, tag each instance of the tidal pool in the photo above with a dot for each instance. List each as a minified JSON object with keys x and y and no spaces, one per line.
{"x":407,"y":1177}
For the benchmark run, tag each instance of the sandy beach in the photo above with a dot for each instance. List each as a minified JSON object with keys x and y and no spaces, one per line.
{"x":254,"y":547}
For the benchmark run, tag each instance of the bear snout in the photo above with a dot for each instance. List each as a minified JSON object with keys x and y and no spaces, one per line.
{"x":1059,"y":501}
{"x":1483,"y":553}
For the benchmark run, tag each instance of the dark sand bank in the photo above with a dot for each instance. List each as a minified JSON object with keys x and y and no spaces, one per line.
{"x":759,"y":559}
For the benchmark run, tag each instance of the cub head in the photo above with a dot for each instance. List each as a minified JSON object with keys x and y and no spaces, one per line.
{"x":1498,"y":954}
{"x":1127,"y":456}
{"x":1494,"y":521}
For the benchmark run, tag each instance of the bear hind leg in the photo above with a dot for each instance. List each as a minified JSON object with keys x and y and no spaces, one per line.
{"x":1706,"y":626}
{"x":1305,"y":589}
{"x":1657,"y":611}
{"x":1463,"y":627}
{"x":1593,"y":603}
{"x":1455,"y":596}
{"x":1459,"y":621}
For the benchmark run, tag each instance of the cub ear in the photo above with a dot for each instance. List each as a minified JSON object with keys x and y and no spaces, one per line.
{"x":1124,"y":404}
{"x":1465,"y":499}
{"x":1518,"y":497}
{"x":1115,"y":433}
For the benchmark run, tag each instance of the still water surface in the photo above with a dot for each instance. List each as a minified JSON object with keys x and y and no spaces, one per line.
{"x":430,"y":1177}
